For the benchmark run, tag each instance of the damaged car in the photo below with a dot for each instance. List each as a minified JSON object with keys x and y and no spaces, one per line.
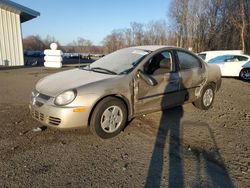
{"x":122,"y":85}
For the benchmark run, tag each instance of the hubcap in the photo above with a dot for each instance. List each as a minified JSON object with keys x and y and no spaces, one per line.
{"x":245,"y":74}
{"x":111,"y":119}
{"x":208,"y":97}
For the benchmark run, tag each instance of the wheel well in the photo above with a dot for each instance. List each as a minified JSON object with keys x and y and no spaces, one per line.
{"x":240,"y":72}
{"x":115,"y":96}
{"x":243,"y":69}
{"x":201,"y":89}
{"x":213,"y":84}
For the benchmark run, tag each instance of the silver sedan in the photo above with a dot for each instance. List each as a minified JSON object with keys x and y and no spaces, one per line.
{"x":122,"y":85}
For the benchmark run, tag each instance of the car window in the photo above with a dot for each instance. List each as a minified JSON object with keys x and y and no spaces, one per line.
{"x":241,"y":58}
{"x":231,"y":59}
{"x":160,"y":64}
{"x":202,"y":56}
{"x":220,"y":59}
{"x":188,"y":61}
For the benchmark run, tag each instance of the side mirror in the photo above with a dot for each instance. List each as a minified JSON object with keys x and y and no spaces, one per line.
{"x":148,"y":79}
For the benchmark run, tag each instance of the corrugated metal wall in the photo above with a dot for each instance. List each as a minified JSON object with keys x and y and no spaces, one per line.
{"x":11,"y":49}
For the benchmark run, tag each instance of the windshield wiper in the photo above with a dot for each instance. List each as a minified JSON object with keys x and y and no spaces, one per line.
{"x":127,"y":71}
{"x":103,"y":69}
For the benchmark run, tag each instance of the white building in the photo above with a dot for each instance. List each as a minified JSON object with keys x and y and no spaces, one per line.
{"x":11,"y":17}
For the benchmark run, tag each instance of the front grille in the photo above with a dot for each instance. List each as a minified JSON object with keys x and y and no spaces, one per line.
{"x":42,"y":96}
{"x":37,"y":115}
{"x":41,"y":116}
{"x":54,"y":120}
{"x":48,"y":119}
{"x":39,"y":104}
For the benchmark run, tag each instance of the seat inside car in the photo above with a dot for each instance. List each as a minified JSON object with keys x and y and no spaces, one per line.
{"x":164,"y":66}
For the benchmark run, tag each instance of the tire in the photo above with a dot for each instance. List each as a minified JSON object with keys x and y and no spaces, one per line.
{"x":245,"y":74}
{"x":206,"y":99}
{"x":108,"y":118}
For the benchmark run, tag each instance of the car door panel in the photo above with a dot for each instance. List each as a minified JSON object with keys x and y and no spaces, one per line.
{"x":221,"y":65}
{"x":232,"y":68}
{"x":161,"y":68}
{"x":164,"y":94}
{"x":193,"y":75}
{"x":191,"y":80}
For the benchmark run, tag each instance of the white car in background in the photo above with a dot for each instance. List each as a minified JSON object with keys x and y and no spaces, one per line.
{"x":207,"y":55}
{"x":233,"y":65}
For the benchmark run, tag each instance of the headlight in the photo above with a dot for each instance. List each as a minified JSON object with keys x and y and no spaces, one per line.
{"x":65,"y":98}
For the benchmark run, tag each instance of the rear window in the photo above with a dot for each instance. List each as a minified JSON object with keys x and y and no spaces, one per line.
{"x":188,"y":61}
{"x":241,"y":58}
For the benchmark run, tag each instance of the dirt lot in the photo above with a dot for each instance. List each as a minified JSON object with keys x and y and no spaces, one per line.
{"x":180,"y":147}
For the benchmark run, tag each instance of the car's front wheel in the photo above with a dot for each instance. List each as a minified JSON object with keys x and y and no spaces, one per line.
{"x":108,"y":118}
{"x":245,"y":74}
{"x":206,"y":99}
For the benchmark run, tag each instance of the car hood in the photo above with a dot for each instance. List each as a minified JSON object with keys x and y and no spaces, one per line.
{"x":55,"y":84}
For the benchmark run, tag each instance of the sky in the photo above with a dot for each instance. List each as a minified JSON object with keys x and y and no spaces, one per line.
{"x":67,"y":20}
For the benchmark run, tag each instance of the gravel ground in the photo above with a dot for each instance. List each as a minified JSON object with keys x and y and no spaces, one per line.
{"x":180,"y":147}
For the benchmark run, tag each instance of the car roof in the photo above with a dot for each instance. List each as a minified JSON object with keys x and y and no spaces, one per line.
{"x":242,"y":55}
{"x":152,"y":47}
{"x":214,"y":51}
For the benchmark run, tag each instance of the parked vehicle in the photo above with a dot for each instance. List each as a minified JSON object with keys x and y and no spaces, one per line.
{"x":34,"y":58}
{"x":207,"y":55}
{"x":33,"y":53}
{"x":122,"y":85}
{"x":233,"y":65}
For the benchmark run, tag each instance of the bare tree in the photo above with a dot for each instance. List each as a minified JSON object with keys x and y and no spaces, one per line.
{"x":210,"y":24}
{"x":128,"y":37}
{"x":137,"y":31}
{"x":80,"y":45}
{"x":178,"y":12}
{"x":239,"y":19}
{"x":48,"y":40}
{"x":156,"y":33}
{"x":114,"y":41}
{"x":196,"y":24}
{"x":33,"y":43}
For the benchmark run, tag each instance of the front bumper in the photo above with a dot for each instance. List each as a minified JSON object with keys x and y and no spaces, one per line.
{"x":60,"y":117}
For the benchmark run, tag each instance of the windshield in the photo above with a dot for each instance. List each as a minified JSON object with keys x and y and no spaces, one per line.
{"x":121,"y":61}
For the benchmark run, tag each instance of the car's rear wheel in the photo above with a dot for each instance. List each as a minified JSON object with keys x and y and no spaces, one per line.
{"x":245,"y":74}
{"x":108,"y":118}
{"x":206,"y":99}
